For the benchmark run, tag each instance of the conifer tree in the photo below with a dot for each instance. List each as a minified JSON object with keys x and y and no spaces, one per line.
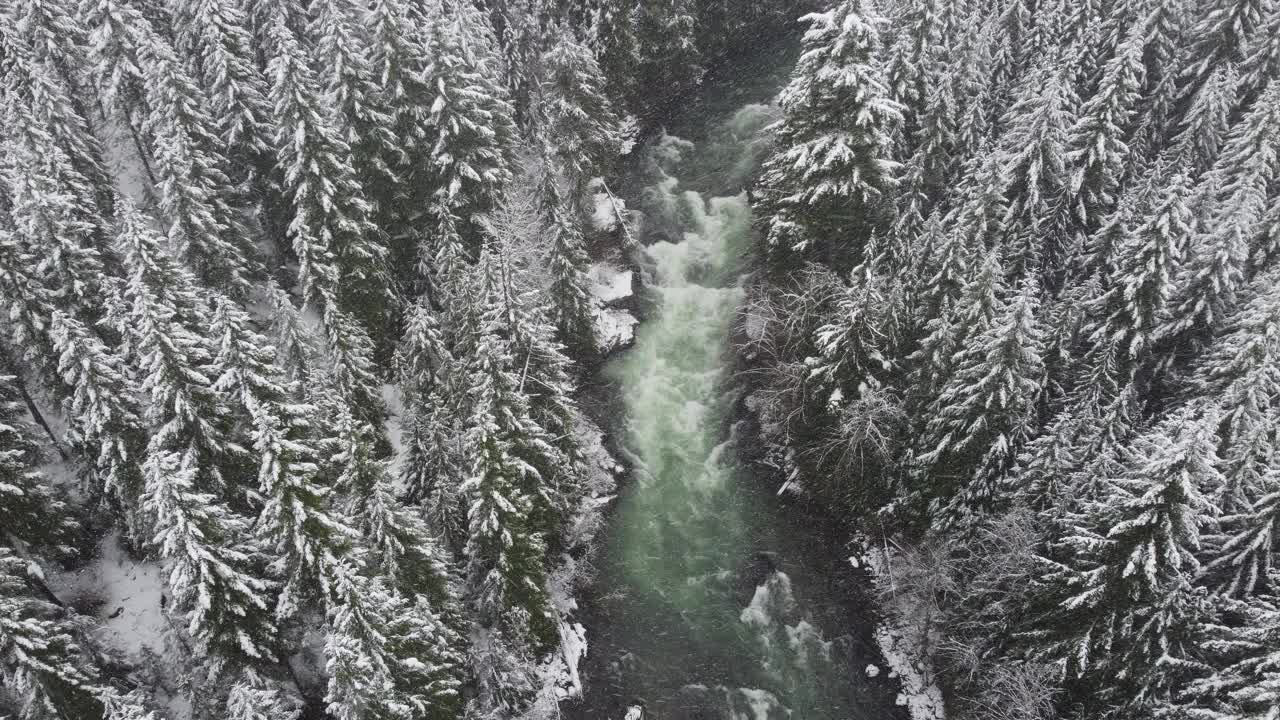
{"x":579,"y":120}
{"x":42,"y":665}
{"x":473,"y":127}
{"x":954,"y":323}
{"x":1148,"y":261}
{"x":37,"y":88}
{"x":670,"y":61}
{"x":190,"y":442}
{"x":341,"y":261}
{"x":36,"y":515}
{"x":613,"y":38}
{"x":1129,"y":608}
{"x":1235,"y":197}
{"x":217,"y":35}
{"x":54,"y":215}
{"x":983,"y":413}
{"x":363,"y":116}
{"x":1096,"y":142}
{"x":191,"y":169}
{"x":105,"y":417}
{"x":510,"y":507}
{"x":1033,"y":153}
{"x":852,"y":346}
{"x":1205,"y":126}
{"x":573,"y":307}
{"x":832,"y":162}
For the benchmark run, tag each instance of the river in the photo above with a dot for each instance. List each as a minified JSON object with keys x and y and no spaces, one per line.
{"x":712,"y":598}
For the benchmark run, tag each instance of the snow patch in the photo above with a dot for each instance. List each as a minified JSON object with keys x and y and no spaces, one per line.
{"x":124,"y":595}
{"x":604,"y":215}
{"x":609,"y":283}
{"x":617,"y":328}
{"x":910,"y":663}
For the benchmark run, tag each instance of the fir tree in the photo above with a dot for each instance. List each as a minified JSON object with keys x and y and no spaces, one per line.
{"x":38,"y":86}
{"x":190,"y":442}
{"x":105,"y":417}
{"x":508,"y":503}
{"x":577,"y":116}
{"x":195,"y":191}
{"x":473,"y":127}
{"x":1147,"y":263}
{"x":833,"y":159}
{"x":573,"y":307}
{"x":42,"y":665}
{"x":669,"y":59}
{"x":217,"y":35}
{"x":983,"y":413}
{"x":340,"y":259}
{"x":1096,"y":148}
{"x":364,"y":119}
{"x":1234,"y":191}
{"x":1130,"y":607}
{"x":36,"y":515}
{"x":852,"y":346}
{"x":52,"y":212}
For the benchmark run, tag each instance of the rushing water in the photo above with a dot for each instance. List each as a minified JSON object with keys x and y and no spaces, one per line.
{"x":700,"y":612}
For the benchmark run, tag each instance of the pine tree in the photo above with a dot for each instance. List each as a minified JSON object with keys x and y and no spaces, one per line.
{"x":42,"y":666}
{"x":1220,"y":35}
{"x":573,"y":307}
{"x":1244,"y":553}
{"x":833,"y":159}
{"x":983,"y":413}
{"x":216,"y":34}
{"x":1147,"y":263}
{"x":36,"y":515}
{"x":363,"y":115}
{"x":1235,"y":194}
{"x":341,"y":263}
{"x":432,"y":457}
{"x":579,"y":121}
{"x":1129,"y":608}
{"x":400,"y":59}
{"x":522,"y":31}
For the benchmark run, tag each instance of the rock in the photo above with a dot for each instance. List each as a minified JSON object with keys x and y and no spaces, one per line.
{"x":873,"y":671}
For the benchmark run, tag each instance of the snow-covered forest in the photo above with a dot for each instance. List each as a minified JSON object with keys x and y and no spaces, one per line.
{"x":306,"y":305}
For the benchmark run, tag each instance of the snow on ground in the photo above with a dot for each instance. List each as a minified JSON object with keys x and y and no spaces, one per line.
{"x":609,"y":283}
{"x":124,"y":595}
{"x":395,"y":427}
{"x":907,"y":661}
{"x":604,"y":217}
{"x":616,"y":327}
